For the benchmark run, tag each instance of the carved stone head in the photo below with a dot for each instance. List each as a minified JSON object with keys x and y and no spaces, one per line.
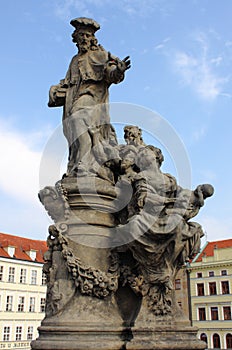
{"x":83,"y":34}
{"x":133,"y":135}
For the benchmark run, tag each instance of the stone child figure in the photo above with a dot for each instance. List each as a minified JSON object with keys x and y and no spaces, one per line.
{"x":84,"y":92}
{"x":188,"y":203}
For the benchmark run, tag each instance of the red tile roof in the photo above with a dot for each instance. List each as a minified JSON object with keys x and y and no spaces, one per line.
{"x":209,"y":249}
{"x":22,"y":245}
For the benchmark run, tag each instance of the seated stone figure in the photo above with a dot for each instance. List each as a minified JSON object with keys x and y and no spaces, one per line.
{"x":162,"y":237}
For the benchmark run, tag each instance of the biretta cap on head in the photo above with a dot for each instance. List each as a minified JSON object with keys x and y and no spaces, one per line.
{"x":83,"y":22}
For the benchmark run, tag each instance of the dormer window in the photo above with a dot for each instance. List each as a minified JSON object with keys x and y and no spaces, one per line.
{"x":10,"y":250}
{"x":32,"y":254}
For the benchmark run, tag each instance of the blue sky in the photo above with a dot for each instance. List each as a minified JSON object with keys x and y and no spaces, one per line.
{"x":181,"y":53}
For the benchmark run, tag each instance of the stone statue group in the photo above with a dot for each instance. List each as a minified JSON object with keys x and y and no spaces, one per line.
{"x":154,"y":226}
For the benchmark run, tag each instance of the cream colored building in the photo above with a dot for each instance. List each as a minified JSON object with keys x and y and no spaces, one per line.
{"x":211,"y":293}
{"x":182,"y":293}
{"x":22,"y":290}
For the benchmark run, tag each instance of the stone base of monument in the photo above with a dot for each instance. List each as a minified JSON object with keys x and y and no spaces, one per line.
{"x":115,"y":337}
{"x":97,"y":325}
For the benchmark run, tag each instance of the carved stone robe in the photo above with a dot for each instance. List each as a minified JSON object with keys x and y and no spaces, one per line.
{"x":87,"y":80}
{"x":84,"y":95}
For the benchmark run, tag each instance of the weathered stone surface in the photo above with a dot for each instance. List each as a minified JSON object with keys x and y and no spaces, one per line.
{"x":122,"y":228}
{"x":118,"y":338}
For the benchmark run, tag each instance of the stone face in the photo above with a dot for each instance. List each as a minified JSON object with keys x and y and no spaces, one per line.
{"x":122,"y":228}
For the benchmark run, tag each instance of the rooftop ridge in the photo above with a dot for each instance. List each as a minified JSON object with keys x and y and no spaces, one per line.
{"x":22,"y":246}
{"x":208,"y":250}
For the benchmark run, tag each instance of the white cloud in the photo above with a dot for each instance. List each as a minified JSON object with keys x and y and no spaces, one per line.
{"x":216,"y":60}
{"x":139,"y":7}
{"x":198,"y":70}
{"x":64,"y":9}
{"x":199,"y":133}
{"x":185,"y":65}
{"x":21,"y":154}
{"x":228,"y":43}
{"x":162,"y":44}
{"x":19,"y":176}
{"x":198,"y":73}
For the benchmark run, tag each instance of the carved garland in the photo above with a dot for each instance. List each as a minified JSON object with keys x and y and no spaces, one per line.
{"x":88,"y":280}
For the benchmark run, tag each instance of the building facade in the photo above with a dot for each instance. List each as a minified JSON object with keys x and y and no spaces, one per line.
{"x":22,"y":290}
{"x":182,"y":292}
{"x":211,"y":294}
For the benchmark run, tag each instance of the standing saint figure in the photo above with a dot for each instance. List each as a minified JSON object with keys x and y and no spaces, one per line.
{"x":84,"y":93}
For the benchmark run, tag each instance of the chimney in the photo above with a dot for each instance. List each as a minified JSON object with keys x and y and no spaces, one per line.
{"x":215,"y":252}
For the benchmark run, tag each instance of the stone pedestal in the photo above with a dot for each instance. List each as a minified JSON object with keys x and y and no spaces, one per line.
{"x":88,"y":315}
{"x":100,"y":336}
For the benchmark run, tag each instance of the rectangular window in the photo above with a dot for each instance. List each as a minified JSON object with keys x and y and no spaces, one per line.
{"x":32,"y":304}
{"x":214,"y":313}
{"x":9,"y":303}
{"x":1,"y":273}
{"x":11,"y":275}
{"x":18,"y":333}
{"x":44,"y":279}
{"x":227,"y":312}
{"x":225,"y":287}
{"x":211,"y":273}
{"x":29,"y":333}
{"x":42,"y":305}
{"x":224,"y":272}
{"x":178,"y":284}
{"x":23,"y":273}
{"x":200,"y":289}
{"x":33,"y":276}
{"x":6,"y":333}
{"x":21,"y":304}
{"x":199,"y":274}
{"x":212,"y":288}
{"x":202,"y":314}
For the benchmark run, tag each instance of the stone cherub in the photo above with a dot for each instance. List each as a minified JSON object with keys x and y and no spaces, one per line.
{"x":188,"y":203}
{"x":84,"y":93}
{"x":133,"y":135}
